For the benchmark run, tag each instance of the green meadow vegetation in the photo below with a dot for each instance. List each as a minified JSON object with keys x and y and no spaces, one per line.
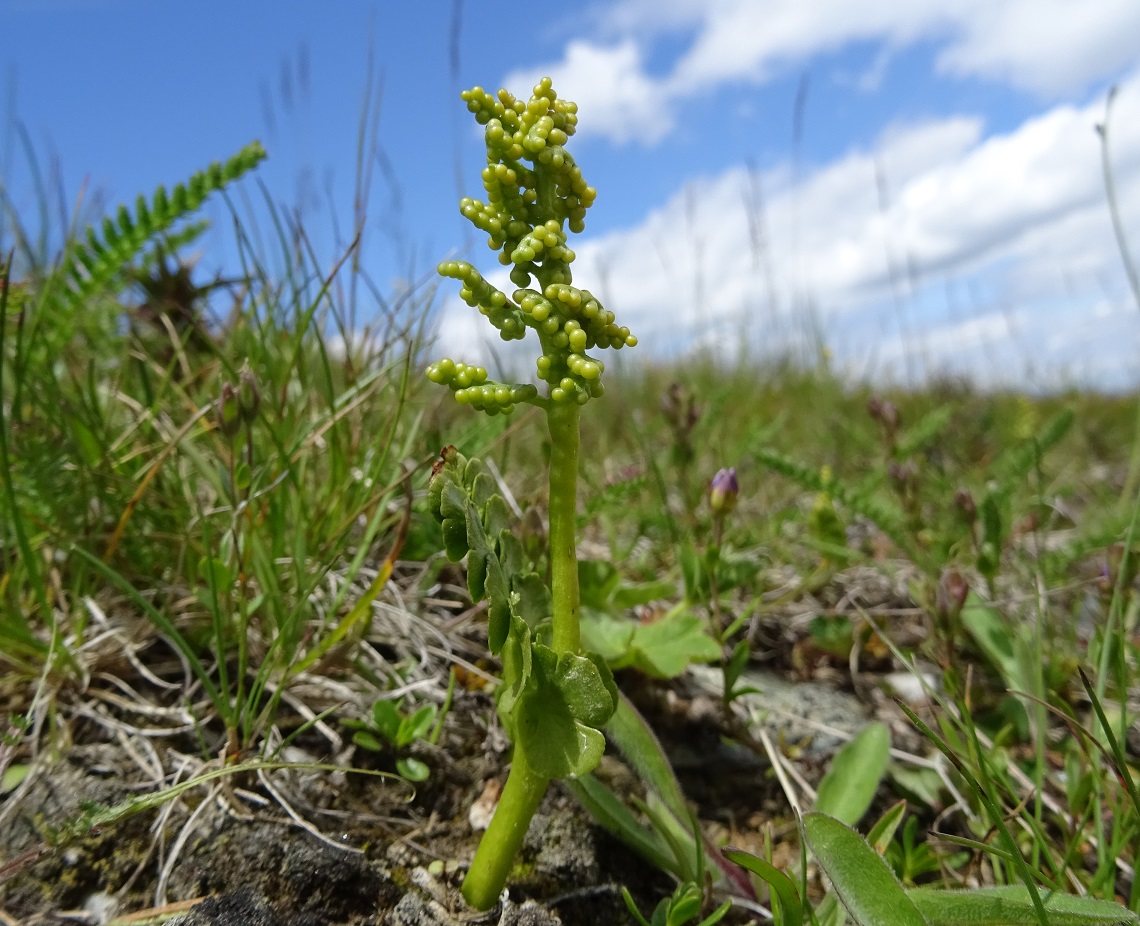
{"x":271,"y":541}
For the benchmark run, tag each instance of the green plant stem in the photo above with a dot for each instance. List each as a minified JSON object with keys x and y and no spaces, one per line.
{"x":239,"y":735}
{"x":524,"y":788}
{"x":497,"y":849}
{"x":562,"y":420}
{"x":714,"y":591}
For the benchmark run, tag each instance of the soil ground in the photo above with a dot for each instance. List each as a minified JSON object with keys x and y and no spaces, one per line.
{"x":319,"y":846}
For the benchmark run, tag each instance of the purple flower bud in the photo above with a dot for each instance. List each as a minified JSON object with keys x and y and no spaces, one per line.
{"x":965,"y":503}
{"x":951,"y":595}
{"x":228,"y":411}
{"x":723,"y":491}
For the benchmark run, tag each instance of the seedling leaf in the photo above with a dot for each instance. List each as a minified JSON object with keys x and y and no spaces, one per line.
{"x":412,"y":769}
{"x":666,"y":647}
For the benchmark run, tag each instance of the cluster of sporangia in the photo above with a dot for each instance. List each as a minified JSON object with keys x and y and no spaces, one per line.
{"x":524,"y":216}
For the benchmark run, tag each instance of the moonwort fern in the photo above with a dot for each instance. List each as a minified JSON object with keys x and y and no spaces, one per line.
{"x":553,"y":699}
{"x":888,"y":518}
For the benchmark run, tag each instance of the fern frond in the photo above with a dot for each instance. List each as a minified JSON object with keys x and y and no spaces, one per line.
{"x":886,"y":517}
{"x":173,"y":243}
{"x":1015,"y":466}
{"x":612,"y":497}
{"x":923,"y":433}
{"x":93,"y":263}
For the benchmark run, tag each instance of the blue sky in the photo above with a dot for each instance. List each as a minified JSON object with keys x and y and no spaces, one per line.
{"x":941,"y":209}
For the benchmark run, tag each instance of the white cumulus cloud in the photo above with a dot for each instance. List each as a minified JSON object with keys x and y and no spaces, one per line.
{"x":1047,"y":47}
{"x":989,"y":254}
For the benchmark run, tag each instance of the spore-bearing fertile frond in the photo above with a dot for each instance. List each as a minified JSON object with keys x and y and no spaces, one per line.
{"x":92,"y":264}
{"x":534,"y":192}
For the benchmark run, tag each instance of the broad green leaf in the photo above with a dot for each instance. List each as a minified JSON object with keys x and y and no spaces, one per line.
{"x":783,"y":888}
{"x":734,"y":668}
{"x":554,"y":719}
{"x":862,"y":881}
{"x":435,"y":494}
{"x":448,"y":502}
{"x":89,"y":445}
{"x":554,"y":743}
{"x":850,"y":784}
{"x":991,"y":634}
{"x":464,"y":533}
{"x":454,"y":534}
{"x":609,"y":637}
{"x":666,"y":647}
{"x":1011,"y":906}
